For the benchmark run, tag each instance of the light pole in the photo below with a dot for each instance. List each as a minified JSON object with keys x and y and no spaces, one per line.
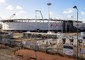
{"x":75,"y":7}
{"x":49,"y":4}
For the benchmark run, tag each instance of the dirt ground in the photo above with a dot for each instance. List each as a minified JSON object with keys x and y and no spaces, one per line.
{"x":30,"y":55}
{"x":7,"y":53}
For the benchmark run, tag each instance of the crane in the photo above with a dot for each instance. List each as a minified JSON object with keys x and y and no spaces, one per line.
{"x":40,"y":13}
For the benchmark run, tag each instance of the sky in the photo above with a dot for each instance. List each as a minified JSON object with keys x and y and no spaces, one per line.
{"x":59,"y":9}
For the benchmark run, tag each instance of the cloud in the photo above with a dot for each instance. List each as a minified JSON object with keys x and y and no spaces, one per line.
{"x":2,"y":1}
{"x":82,"y":13}
{"x":3,"y":4}
{"x":19,"y":7}
{"x":9,"y":7}
{"x":22,"y":11}
{"x":68,"y":11}
{"x":69,"y":16}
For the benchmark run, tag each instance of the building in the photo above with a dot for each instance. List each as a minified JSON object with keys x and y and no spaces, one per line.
{"x":42,"y":25}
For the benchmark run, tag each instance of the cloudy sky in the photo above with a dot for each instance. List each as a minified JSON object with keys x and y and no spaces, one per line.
{"x":61,"y":9}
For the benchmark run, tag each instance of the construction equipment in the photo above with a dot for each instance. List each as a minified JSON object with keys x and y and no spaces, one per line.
{"x":39,"y":12}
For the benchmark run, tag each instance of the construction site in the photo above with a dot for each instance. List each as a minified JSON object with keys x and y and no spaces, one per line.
{"x":41,"y":38}
{"x":40,"y":46}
